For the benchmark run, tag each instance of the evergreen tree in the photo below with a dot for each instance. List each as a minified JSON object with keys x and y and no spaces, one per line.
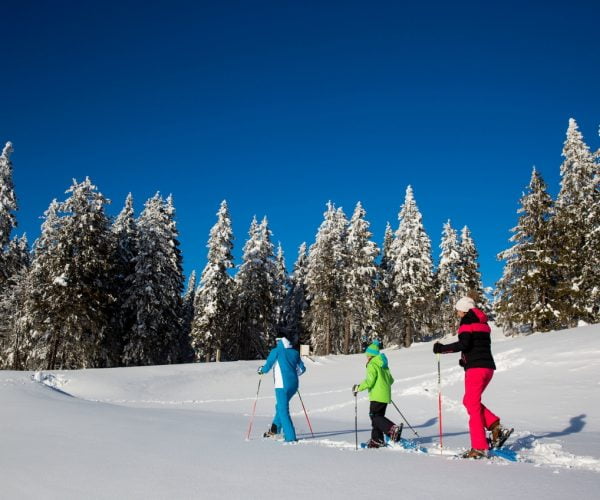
{"x":449,"y":287}
{"x":469,"y":277}
{"x":577,"y":198}
{"x":526,"y":293}
{"x":69,"y":292}
{"x":186,"y":351}
{"x":591,"y":248}
{"x":361,"y":271}
{"x":413,"y":275}
{"x":40,"y":286}
{"x":8,"y":200}
{"x":13,"y":342}
{"x":296,"y":302}
{"x":257,"y":291}
{"x":214,"y":322}
{"x":325,"y":283}
{"x":282,"y":286}
{"x":385,"y":295}
{"x":156,"y":288}
{"x":8,"y":205}
{"x":125,"y":233}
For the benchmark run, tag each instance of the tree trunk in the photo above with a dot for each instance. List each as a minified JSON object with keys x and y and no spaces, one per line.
{"x":346,"y":337}
{"x":408,"y":334}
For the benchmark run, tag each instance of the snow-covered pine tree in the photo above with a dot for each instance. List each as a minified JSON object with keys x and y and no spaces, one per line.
{"x":186,"y":350}
{"x":344,"y":311}
{"x":39,"y":288}
{"x":8,"y":207}
{"x":325,"y":283}
{"x":526,"y":293}
{"x":591,"y":249}
{"x":413,"y":274}
{"x":447,"y":280}
{"x":282,"y":286}
{"x":8,"y":199}
{"x":125,"y":233}
{"x":13,"y":263}
{"x":578,"y":195}
{"x":361,"y":271}
{"x":384,"y":291}
{"x":13,"y":342}
{"x":214,"y":325}
{"x":469,"y":277}
{"x":70,"y":282}
{"x":296,"y":302}
{"x":156,"y":288}
{"x":256,"y":285}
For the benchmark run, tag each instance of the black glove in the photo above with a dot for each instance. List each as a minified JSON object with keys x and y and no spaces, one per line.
{"x":438,"y":348}
{"x":355,"y":389}
{"x":260,"y":370}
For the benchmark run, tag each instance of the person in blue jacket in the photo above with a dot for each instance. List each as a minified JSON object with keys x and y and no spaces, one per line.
{"x":287,"y":367}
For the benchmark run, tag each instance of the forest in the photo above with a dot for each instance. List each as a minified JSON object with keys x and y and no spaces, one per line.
{"x":96,"y":291}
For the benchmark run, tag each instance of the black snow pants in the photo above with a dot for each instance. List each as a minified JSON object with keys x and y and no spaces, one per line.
{"x":381,"y":425}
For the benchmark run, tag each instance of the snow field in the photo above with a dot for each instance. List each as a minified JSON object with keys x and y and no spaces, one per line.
{"x":179,"y":431}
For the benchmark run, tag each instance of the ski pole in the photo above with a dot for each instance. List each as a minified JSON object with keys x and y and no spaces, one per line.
{"x":404,"y":418}
{"x":440,"y":402}
{"x":306,"y":414}
{"x":356,"y":419}
{"x":254,"y":407}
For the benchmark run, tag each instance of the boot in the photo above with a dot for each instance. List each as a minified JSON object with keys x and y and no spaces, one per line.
{"x":498,"y":434}
{"x":375,"y":443}
{"x":475,"y":454}
{"x":395,"y":433}
{"x":272,"y":432}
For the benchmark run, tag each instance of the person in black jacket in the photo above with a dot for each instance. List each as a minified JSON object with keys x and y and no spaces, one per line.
{"x":474,"y":344}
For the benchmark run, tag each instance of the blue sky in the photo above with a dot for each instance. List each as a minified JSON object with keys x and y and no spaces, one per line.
{"x":280,"y":106}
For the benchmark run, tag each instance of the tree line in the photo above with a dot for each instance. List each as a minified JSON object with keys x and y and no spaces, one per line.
{"x":96,"y":291}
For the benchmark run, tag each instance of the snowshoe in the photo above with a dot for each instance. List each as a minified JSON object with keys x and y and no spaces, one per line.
{"x":475,"y":454}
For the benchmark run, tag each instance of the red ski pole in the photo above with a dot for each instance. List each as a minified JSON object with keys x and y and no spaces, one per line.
{"x":306,"y":414}
{"x":440,"y":402}
{"x":254,"y":408}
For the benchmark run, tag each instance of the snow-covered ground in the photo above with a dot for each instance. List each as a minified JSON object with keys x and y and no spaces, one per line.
{"x":180,"y":431}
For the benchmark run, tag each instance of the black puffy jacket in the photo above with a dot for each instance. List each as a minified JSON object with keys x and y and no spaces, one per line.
{"x":474,"y":341}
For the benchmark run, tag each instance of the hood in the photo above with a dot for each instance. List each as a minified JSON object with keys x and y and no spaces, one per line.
{"x":285,"y":343}
{"x":380,"y":360}
{"x":481,"y":316}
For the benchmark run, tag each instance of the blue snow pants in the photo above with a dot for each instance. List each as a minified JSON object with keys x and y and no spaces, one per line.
{"x":282,"y":413}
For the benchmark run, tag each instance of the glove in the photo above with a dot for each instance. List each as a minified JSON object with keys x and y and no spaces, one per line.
{"x":260,"y":370}
{"x":437,"y":348}
{"x":355,"y":389}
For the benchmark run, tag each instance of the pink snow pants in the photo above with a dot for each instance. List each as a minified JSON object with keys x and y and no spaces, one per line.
{"x":480,"y":418}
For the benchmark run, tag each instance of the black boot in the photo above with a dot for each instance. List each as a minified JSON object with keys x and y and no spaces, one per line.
{"x":375,"y":443}
{"x":395,"y":433}
{"x":272,"y":432}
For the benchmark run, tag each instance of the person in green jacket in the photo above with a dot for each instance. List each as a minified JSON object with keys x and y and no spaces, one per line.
{"x":379,"y":384}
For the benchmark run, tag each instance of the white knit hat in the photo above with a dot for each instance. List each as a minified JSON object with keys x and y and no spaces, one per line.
{"x":465,"y":304}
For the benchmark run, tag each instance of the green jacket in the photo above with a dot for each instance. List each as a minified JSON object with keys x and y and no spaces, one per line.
{"x":379,"y":380}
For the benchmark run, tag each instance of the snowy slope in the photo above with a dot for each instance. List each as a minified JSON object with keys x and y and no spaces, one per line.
{"x":179,"y":431}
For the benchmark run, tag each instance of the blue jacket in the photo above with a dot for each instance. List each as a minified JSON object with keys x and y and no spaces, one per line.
{"x":286,"y":364}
